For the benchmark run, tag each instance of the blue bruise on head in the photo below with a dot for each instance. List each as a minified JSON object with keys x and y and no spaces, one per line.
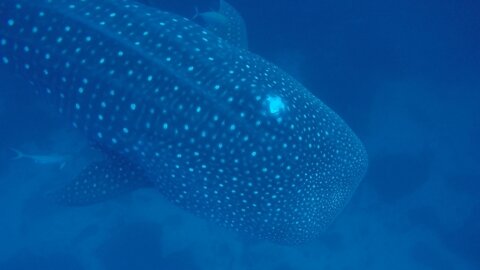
{"x":176,"y":108}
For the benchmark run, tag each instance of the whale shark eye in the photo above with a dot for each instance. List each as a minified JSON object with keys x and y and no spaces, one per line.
{"x":275,"y":104}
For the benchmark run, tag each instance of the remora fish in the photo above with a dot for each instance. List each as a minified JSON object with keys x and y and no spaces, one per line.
{"x":226,"y":23}
{"x":41,"y":159}
{"x":216,"y":129}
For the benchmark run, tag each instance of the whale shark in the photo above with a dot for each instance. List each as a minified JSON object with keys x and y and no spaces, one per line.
{"x":215,"y":129}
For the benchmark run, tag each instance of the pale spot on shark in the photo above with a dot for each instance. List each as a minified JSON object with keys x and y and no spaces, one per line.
{"x":275,"y":104}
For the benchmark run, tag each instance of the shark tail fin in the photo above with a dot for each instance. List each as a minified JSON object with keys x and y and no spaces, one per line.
{"x":18,"y":154}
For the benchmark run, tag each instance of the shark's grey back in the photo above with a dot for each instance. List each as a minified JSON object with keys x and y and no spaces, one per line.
{"x":217,"y":130}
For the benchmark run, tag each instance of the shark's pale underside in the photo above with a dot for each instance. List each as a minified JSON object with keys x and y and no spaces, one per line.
{"x":214,"y":128}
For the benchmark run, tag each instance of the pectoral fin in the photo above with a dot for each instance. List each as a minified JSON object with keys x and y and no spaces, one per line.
{"x":101,"y":181}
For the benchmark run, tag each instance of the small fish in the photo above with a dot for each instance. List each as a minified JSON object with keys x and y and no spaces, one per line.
{"x":213,"y":17}
{"x":41,"y":159}
{"x":226,"y":23}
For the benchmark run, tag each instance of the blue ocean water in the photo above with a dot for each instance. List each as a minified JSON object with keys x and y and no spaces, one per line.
{"x":403,"y":75}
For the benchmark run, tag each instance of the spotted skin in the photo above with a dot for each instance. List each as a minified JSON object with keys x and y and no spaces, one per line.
{"x":101,"y":181}
{"x":215,"y":129}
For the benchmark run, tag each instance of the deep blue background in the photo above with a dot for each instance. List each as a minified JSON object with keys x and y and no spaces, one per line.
{"x":405,"y":75}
